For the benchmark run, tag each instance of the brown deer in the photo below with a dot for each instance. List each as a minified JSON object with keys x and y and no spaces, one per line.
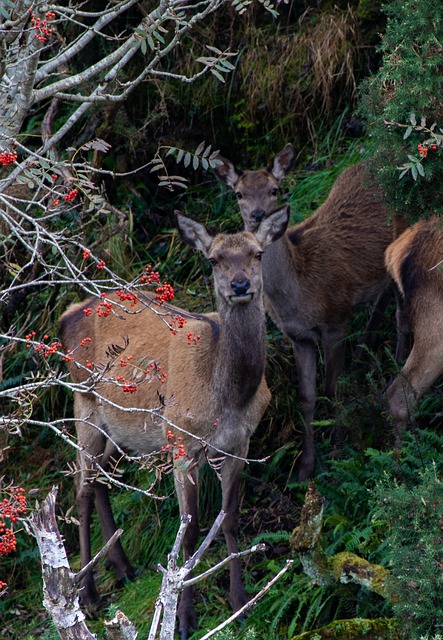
{"x":415,"y":261}
{"x":319,"y":271}
{"x":215,"y":391}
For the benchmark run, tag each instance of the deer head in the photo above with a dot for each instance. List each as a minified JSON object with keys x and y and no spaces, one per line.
{"x":257,"y":191}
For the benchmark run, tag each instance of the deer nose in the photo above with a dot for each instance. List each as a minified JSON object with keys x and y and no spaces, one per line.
{"x":240,"y":287}
{"x":258,"y":214}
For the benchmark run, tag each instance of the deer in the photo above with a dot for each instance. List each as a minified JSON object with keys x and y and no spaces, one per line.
{"x":319,"y":271}
{"x":214,"y":392}
{"x":415,"y":260}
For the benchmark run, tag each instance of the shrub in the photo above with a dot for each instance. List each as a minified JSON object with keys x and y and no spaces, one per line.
{"x":401,"y":103}
{"x":414,"y":513}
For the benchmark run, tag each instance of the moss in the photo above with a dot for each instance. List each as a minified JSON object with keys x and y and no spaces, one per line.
{"x":348,"y":567}
{"x":356,"y":629}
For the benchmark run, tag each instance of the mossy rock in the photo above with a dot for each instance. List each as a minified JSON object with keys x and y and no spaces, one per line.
{"x":356,"y":629}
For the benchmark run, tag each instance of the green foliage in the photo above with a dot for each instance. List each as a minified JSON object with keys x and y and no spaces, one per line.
{"x":403,"y":106}
{"x":413,"y":510}
{"x":228,"y":634}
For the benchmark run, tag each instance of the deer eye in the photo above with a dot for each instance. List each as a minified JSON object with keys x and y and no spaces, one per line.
{"x":213,"y":261}
{"x":239,"y":195}
{"x":274,"y":192}
{"x":258,"y":255}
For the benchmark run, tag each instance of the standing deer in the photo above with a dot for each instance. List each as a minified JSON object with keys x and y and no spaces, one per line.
{"x":415,"y":261}
{"x":319,"y":271}
{"x":215,"y":390}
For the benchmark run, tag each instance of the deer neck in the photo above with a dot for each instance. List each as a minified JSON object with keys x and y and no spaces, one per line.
{"x":280,"y":274}
{"x":240,"y":360}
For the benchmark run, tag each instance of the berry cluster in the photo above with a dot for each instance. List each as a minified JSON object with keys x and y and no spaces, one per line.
{"x":175,"y":446}
{"x":423,"y":149}
{"x":193,"y":339}
{"x":130,"y":387}
{"x":8,"y":542}
{"x":103,"y":310}
{"x":123,"y":362}
{"x":152,"y":367}
{"x":125,"y":295}
{"x":41,"y":26}
{"x":165,"y":293}
{"x":7,"y":158}
{"x":71,"y":195}
{"x":67,"y":357}
{"x":178,"y":322}
{"x":11,"y":508}
{"x":157,"y":369}
{"x":150,"y":276}
{"x":44,"y":349}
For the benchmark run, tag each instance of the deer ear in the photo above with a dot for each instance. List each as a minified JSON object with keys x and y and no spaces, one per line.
{"x":225,"y":172}
{"x":283,"y":162}
{"x":273,"y":226}
{"x":193,"y":233}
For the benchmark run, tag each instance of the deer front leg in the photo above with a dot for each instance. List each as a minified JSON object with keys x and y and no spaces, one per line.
{"x":231,"y":475}
{"x":304,"y":352}
{"x":187,"y":494}
{"x":96,"y":447}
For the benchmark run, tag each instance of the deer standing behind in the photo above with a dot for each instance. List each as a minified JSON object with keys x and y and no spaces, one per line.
{"x":319,"y":270}
{"x":415,"y":261}
{"x":215,"y":390}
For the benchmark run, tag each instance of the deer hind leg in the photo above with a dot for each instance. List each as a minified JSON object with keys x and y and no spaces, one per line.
{"x":187,"y":494}
{"x":304,"y":352}
{"x":369,"y":338}
{"x":96,"y":446}
{"x":117,"y":558}
{"x":422,"y":368}
{"x":334,"y":355}
{"x":93,"y":443}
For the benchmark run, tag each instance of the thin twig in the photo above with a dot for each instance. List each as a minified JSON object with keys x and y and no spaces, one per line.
{"x":78,"y":577}
{"x":249,"y":604}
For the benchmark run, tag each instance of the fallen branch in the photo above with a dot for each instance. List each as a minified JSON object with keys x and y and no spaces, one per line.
{"x":343,"y":567}
{"x":60,"y":594}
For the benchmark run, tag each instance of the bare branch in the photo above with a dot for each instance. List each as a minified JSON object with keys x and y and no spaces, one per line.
{"x":78,"y":577}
